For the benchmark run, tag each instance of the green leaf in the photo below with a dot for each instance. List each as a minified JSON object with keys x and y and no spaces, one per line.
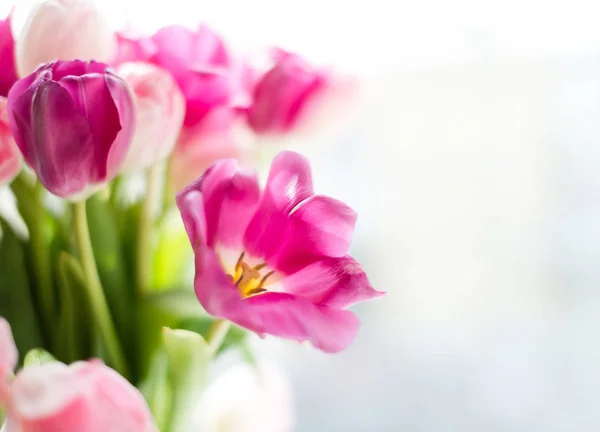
{"x":157,"y":391}
{"x":38,"y":356}
{"x":112,"y":268}
{"x":162,"y":310}
{"x":188,"y":357}
{"x":74,"y":329}
{"x":16,"y":302}
{"x":202,"y":325}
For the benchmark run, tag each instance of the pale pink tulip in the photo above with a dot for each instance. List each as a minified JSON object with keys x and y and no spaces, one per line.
{"x":63,"y":30}
{"x":160,"y":107}
{"x":86,"y":396}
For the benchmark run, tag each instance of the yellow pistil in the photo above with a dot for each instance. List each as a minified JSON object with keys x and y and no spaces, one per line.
{"x":249,"y":280}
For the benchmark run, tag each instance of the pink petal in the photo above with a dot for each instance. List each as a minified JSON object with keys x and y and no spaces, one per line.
{"x":284,"y":315}
{"x":273,"y":313}
{"x":230,"y":196}
{"x":319,"y":226}
{"x":334,"y":282}
{"x":10,"y":156}
{"x":9,"y":356}
{"x":60,"y":145}
{"x":191,"y":206}
{"x":92,"y":96}
{"x":289,"y":183}
{"x":8,"y":73}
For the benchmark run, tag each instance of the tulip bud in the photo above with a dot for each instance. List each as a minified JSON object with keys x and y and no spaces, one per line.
{"x":10,"y":155}
{"x":8,"y":74}
{"x":293,"y":95}
{"x":73,"y":122}
{"x":160,"y":108}
{"x":63,"y":30}
{"x":85,"y":396}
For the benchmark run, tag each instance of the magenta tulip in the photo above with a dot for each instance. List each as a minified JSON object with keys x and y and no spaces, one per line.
{"x":85,"y":396}
{"x":160,"y":108}
{"x":10,"y":155}
{"x":73,"y":122}
{"x":292,"y":96}
{"x":8,"y":73}
{"x":275,"y":262}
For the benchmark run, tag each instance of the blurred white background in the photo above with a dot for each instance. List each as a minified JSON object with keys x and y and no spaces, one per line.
{"x":474,"y":166}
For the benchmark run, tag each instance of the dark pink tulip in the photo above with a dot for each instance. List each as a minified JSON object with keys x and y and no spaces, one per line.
{"x":73,"y":122}
{"x":293,"y":95}
{"x":8,"y":72}
{"x":275,"y":261}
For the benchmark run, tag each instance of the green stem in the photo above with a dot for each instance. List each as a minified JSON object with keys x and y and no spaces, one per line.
{"x":95,"y":292}
{"x":145,"y":229}
{"x":29,"y":203}
{"x":216,"y":334}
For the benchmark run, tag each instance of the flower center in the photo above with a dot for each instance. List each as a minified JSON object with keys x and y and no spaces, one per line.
{"x":249,"y":280}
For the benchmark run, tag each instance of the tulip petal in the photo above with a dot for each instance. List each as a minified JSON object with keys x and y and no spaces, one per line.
{"x":334,"y":282}
{"x":289,"y":183}
{"x":123,"y":99}
{"x":10,"y":156}
{"x":191,"y":206}
{"x":8,"y":356}
{"x":284,"y":315}
{"x":273,"y":313}
{"x":319,"y":226}
{"x":61,"y":145}
{"x":92,"y":95}
{"x":230,"y":198}
{"x":8,"y":73}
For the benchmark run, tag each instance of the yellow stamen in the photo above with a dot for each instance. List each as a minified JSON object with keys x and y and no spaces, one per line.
{"x":248,"y":279}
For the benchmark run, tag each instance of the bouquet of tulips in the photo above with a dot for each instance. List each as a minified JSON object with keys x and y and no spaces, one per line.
{"x":137,"y":242}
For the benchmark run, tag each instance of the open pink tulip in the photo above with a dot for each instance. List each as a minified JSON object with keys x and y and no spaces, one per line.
{"x":85,"y":396}
{"x":8,"y":357}
{"x":73,"y":122}
{"x":63,"y":30}
{"x":8,"y":73}
{"x":10,"y":155}
{"x":160,"y":108}
{"x":292,"y":96}
{"x":275,"y":262}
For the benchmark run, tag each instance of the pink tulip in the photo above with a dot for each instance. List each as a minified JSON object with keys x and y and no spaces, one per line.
{"x":160,"y":108}
{"x":63,"y":30}
{"x":8,"y":357}
{"x":292,"y":96}
{"x":10,"y":155}
{"x":8,"y":74}
{"x":131,"y":48}
{"x":85,"y":396}
{"x":73,"y":122}
{"x":221,"y":134}
{"x":275,"y":262}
